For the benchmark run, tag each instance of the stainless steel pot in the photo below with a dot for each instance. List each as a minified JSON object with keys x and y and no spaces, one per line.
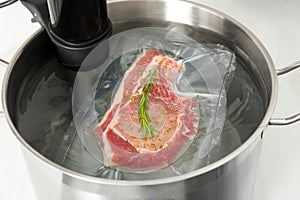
{"x":230,"y":178}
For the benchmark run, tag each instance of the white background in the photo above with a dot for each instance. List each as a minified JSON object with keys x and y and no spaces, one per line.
{"x":275,"y":22}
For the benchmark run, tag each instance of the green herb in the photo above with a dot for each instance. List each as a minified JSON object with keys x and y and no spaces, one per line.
{"x":146,"y":125}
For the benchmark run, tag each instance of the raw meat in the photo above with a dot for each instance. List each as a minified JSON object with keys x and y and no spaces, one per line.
{"x":174,"y":117}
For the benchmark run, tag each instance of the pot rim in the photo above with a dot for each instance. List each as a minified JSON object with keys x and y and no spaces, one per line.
{"x":264,"y":123}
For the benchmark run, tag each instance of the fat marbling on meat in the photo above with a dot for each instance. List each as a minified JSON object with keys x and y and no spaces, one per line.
{"x":174,"y":117}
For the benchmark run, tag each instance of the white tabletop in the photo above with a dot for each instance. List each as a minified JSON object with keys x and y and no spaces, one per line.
{"x":275,"y":22}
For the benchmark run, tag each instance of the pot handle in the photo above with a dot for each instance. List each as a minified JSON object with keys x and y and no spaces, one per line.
{"x":5,"y":63}
{"x":294,"y":118}
{"x":7,"y":3}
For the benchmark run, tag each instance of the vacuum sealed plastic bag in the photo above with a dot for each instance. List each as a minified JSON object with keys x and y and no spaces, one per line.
{"x":143,"y":97}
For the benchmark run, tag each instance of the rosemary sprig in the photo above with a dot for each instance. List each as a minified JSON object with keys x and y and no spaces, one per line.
{"x":146,"y":125}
